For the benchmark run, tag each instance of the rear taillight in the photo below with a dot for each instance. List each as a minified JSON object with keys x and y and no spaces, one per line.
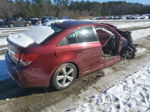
{"x":14,"y":56}
{"x":20,"y":58}
{"x":26,"y":59}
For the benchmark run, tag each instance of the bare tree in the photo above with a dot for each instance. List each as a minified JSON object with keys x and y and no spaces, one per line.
{"x":7,"y":8}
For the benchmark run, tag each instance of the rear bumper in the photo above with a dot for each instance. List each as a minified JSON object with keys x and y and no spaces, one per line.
{"x":26,"y":77}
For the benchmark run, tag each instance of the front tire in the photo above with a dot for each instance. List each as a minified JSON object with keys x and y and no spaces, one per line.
{"x":128,"y":53}
{"x":64,"y":76}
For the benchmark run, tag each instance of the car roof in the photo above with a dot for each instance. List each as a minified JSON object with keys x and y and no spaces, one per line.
{"x":73,"y":23}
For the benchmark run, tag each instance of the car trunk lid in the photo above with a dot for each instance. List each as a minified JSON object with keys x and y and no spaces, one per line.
{"x":35,"y":35}
{"x":21,"y":41}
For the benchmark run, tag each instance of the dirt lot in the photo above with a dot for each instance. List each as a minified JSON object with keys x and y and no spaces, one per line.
{"x":17,"y":99}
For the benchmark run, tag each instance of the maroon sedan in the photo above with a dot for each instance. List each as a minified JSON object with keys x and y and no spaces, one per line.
{"x":56,"y":55}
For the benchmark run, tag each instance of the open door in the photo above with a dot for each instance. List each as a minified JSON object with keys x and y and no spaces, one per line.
{"x":109,"y":42}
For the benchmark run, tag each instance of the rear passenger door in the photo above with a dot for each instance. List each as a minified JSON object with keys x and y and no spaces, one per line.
{"x":87,"y":47}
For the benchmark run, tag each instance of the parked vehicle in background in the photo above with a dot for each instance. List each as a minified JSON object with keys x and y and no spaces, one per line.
{"x":130,"y":17}
{"x":56,"y":55}
{"x":110,"y":17}
{"x":12,"y":22}
{"x":144,"y":17}
{"x":99,"y":18}
{"x":117,"y":17}
{"x":95,"y":18}
{"x":63,"y":18}
{"x":124,"y":17}
{"x":148,"y":16}
{"x":136,"y":16}
{"x":47,"y":19}
{"x":35,"y":21}
{"x":1,"y":23}
{"x":141,"y":17}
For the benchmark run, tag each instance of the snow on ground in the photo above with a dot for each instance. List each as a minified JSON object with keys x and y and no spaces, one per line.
{"x":140,"y":33}
{"x":2,"y":57}
{"x":3,"y":41}
{"x":123,"y":24}
{"x":132,"y":94}
{"x":3,"y":68}
{"x":136,"y":24}
{"x":14,"y":29}
{"x":140,"y":51}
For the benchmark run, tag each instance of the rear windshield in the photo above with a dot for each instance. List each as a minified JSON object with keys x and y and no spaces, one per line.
{"x":41,"y":33}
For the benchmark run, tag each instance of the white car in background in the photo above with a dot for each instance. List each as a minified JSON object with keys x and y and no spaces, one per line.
{"x":143,"y":17}
{"x":48,"y":23}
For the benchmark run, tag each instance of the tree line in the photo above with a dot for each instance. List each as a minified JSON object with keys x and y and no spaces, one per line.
{"x":73,"y":9}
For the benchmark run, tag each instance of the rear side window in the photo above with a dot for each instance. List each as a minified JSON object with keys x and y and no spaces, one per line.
{"x":85,"y":35}
{"x":72,"y":38}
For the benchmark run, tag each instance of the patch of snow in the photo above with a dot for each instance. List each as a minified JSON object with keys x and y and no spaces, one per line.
{"x":132,"y":25}
{"x":140,"y":33}
{"x":123,"y":24}
{"x":3,"y":41}
{"x":2,"y":57}
{"x":53,"y":21}
{"x":21,"y":39}
{"x":130,"y":94}
{"x":13,"y":29}
{"x":140,"y":51}
{"x":36,"y":34}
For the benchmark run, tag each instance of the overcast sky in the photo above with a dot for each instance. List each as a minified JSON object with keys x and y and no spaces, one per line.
{"x":146,"y":2}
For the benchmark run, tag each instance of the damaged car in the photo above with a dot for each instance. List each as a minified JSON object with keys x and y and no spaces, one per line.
{"x":58,"y":54}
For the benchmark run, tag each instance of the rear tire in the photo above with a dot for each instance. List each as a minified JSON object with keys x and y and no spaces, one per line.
{"x":64,"y":76}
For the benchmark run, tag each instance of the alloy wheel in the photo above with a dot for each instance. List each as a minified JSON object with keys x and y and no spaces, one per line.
{"x":65,"y":76}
